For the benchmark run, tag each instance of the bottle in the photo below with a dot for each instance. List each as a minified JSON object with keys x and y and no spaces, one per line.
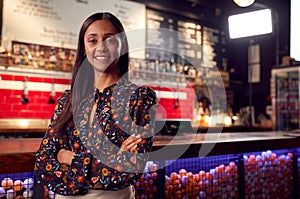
{"x":173,"y":65}
{"x":201,"y":114}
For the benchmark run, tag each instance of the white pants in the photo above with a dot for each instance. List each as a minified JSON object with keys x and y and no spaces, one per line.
{"x":126,"y":193}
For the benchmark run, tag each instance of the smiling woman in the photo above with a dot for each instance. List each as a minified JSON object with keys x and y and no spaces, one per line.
{"x":103,"y":48}
{"x":103,"y":127}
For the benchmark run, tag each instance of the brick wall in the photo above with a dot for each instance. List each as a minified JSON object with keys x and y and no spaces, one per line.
{"x":167,"y":99}
{"x":39,"y":92}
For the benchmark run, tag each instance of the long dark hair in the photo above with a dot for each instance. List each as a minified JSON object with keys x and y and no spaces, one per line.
{"x":82,"y":82}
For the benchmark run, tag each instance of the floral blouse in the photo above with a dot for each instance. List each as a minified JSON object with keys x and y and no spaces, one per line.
{"x":121,"y":110}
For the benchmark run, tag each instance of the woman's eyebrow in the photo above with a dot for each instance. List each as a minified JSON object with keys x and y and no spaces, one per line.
{"x":105,"y":35}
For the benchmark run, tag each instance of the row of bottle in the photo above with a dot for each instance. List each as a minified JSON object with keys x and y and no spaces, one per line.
{"x":178,"y":71}
{"x":39,"y":56}
{"x":62,"y":59}
{"x":163,"y":66}
{"x":287,"y":84}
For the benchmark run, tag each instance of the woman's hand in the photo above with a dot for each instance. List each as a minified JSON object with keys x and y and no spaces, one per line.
{"x":131,"y":143}
{"x":65,"y":156}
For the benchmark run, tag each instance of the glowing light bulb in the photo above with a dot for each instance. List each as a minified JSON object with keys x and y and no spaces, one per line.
{"x":23,"y":123}
{"x":227,"y":120}
{"x":243,"y":3}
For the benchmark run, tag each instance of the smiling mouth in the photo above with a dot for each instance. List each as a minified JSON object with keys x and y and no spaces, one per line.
{"x":101,"y":57}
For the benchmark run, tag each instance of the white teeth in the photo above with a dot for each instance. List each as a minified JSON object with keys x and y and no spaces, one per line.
{"x":100,"y":58}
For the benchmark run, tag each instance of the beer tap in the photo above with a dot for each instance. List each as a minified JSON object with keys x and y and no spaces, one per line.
{"x":24,"y":99}
{"x":52,"y":95}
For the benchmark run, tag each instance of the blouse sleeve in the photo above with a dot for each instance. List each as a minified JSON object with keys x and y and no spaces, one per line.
{"x":142,"y":109}
{"x":125,"y":168}
{"x":60,"y":178}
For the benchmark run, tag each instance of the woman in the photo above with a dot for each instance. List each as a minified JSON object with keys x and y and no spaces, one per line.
{"x":101,"y":131}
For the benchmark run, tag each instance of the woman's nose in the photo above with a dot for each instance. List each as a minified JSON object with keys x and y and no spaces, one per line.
{"x":101,"y":46}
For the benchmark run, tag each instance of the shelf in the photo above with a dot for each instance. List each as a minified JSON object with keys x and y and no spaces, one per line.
{"x":31,"y":71}
{"x":289,"y":111}
{"x":171,"y":78}
{"x":285,"y":99}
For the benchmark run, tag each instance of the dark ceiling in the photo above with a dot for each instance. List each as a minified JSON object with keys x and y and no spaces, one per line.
{"x":212,"y":11}
{"x":228,"y":6}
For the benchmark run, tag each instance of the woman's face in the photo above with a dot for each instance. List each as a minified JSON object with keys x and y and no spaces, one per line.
{"x":102,"y":46}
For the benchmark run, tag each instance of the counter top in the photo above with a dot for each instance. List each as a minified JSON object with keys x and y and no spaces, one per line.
{"x":39,"y":126}
{"x":221,"y":137}
{"x":23,"y":125}
{"x":221,"y":143}
{"x":17,"y":155}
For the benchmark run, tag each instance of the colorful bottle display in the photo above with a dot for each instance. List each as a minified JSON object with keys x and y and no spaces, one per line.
{"x":265,"y":174}
{"x":268,"y":175}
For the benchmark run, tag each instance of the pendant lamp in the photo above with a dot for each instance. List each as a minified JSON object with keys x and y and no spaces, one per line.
{"x":243,"y":3}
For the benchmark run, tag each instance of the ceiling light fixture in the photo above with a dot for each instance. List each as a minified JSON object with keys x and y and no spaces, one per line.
{"x":243,"y":3}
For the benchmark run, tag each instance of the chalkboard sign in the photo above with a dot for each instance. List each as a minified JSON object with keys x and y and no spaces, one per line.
{"x":57,"y":23}
{"x":193,"y":41}
{"x":161,"y":42}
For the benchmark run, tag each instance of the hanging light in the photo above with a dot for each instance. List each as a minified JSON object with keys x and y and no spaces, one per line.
{"x":243,"y":3}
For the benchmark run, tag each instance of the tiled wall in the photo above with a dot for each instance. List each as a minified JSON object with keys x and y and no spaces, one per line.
{"x":39,"y":92}
{"x":38,"y":107}
{"x":168,"y":97}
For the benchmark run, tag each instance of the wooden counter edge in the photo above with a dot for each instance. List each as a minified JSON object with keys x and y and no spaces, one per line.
{"x":17,"y":162}
{"x":12,"y":161}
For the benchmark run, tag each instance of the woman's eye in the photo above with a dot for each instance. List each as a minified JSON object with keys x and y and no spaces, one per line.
{"x":92,"y":41}
{"x":111,"y":40}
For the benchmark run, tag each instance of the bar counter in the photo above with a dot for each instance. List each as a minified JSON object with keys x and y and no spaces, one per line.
{"x":18,"y":154}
